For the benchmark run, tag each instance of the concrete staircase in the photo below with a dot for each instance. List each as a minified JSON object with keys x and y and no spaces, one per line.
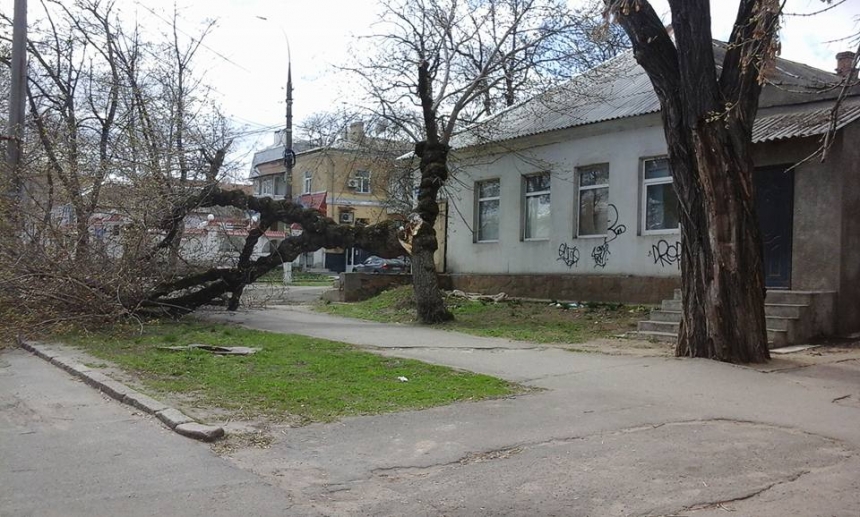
{"x":793,"y":317}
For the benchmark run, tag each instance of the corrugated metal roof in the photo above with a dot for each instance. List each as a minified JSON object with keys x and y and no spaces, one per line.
{"x":620,"y":88}
{"x":806,"y":122}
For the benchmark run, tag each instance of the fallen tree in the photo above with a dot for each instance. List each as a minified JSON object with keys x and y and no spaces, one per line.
{"x":186,"y":293}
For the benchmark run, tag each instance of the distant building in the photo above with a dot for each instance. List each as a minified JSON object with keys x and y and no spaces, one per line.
{"x":352,"y":180}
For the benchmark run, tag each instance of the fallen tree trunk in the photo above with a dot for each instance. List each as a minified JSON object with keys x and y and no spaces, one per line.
{"x":186,"y":293}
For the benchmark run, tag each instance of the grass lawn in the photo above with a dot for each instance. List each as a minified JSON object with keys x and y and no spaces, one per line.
{"x":293,"y":378}
{"x":527,"y":321}
{"x":300,"y":278}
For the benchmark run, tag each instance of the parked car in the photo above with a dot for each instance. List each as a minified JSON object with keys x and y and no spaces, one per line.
{"x":379,"y":265}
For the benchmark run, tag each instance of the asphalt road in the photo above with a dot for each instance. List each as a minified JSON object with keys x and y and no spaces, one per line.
{"x":598,"y":436}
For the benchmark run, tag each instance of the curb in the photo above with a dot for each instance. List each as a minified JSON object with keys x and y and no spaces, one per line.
{"x":176,"y":420}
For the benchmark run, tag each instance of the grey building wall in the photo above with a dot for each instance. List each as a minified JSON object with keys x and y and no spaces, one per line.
{"x":817,"y":222}
{"x":621,"y":144}
{"x":848,"y":167}
{"x":826,"y":221}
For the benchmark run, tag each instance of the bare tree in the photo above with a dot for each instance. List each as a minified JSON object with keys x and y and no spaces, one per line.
{"x":437,"y":65}
{"x":708,"y":118}
{"x":122,"y":146}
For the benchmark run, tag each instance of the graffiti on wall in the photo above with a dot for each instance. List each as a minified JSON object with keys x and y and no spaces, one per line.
{"x":568,"y":254}
{"x":600,"y":254}
{"x":666,"y":253}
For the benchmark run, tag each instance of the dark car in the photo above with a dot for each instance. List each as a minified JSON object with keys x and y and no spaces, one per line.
{"x":380,"y":265}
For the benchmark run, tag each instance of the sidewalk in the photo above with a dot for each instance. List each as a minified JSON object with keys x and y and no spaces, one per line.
{"x":606,"y":436}
{"x":67,"y":451}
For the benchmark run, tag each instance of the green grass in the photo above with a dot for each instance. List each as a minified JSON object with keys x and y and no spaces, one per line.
{"x":527,"y":321}
{"x":300,"y":278}
{"x":292,"y":378}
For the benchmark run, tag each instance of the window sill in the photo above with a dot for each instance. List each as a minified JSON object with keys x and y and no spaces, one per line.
{"x":543,"y":239}
{"x":600,"y":236}
{"x":486,"y":242}
{"x":675,"y":231}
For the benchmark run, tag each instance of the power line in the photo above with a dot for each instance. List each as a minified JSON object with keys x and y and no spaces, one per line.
{"x":210,"y":49}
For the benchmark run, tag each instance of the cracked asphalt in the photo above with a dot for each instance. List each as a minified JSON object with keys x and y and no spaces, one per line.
{"x":602,"y":436}
{"x":599,"y":436}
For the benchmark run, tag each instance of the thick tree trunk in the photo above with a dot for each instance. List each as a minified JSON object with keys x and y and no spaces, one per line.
{"x":425,"y":283}
{"x":707,"y":121}
{"x":723,"y":284}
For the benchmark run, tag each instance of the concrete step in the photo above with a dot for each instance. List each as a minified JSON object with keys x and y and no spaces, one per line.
{"x":793,"y":297}
{"x":777,"y":338}
{"x":781,"y":323}
{"x":659,"y":326}
{"x":784,"y":310}
{"x":660,"y":315}
{"x":663,"y":337}
{"x":671,"y":305}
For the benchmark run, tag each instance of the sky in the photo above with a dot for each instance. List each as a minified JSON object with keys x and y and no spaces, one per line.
{"x":245,"y":56}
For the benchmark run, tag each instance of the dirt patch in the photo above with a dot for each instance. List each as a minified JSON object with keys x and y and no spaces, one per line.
{"x":625,"y":346}
{"x":829,"y":352}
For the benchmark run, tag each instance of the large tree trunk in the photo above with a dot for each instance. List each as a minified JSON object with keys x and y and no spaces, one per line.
{"x":425,"y":283}
{"x":723,"y":285}
{"x":707,"y":121}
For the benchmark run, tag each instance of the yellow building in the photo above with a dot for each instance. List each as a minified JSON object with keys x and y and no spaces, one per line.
{"x":352,"y":180}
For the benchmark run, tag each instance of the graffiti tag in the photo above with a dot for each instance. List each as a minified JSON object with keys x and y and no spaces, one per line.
{"x":666,"y":254}
{"x":568,"y":254}
{"x":600,"y":254}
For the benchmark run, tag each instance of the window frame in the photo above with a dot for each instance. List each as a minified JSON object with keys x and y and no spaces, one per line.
{"x":524,"y":211}
{"x":267,"y":186}
{"x":308,"y":182}
{"x":580,"y":188}
{"x":360,"y":189}
{"x":643,"y":198}
{"x":478,"y":201}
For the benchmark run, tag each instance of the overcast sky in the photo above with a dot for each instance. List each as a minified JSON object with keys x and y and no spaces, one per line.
{"x":245,"y":57}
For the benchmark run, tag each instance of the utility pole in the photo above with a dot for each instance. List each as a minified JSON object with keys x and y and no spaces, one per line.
{"x":289,"y":154}
{"x":15,"y":127}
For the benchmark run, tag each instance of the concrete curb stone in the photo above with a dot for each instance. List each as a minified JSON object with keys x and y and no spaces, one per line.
{"x":171,"y":417}
{"x":143,"y":402}
{"x":206,"y":433}
{"x":70,"y":366}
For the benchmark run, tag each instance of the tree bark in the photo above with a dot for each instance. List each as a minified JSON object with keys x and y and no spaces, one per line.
{"x":425,"y":282}
{"x":708,"y":127}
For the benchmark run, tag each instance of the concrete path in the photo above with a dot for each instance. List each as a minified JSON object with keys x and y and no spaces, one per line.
{"x":66,"y":451}
{"x":603,"y":436}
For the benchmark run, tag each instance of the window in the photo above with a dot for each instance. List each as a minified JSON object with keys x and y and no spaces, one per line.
{"x":309,"y":182}
{"x":593,"y":199}
{"x":659,"y":202}
{"x":536,"y":216}
{"x":267,"y":186}
{"x":487,"y":195}
{"x":363,"y":180}
{"x":280,"y":186}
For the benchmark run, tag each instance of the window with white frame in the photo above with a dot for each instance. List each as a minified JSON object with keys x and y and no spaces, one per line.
{"x":267,"y":186}
{"x":362,"y":178}
{"x":593,"y":199}
{"x":660,"y":210}
{"x":309,"y":182}
{"x":536,"y":204}
{"x":487,"y":210}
